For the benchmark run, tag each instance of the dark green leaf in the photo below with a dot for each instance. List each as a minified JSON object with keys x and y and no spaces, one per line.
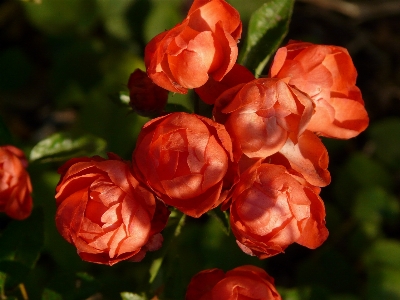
{"x":385,"y":136}
{"x":223,"y":219}
{"x":2,"y":284}
{"x":20,"y":246}
{"x":372,"y":206}
{"x":63,"y":146}
{"x":51,"y":295}
{"x":173,"y":229}
{"x":267,"y":28}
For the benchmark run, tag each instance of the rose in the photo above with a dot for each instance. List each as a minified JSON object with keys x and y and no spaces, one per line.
{"x":203,"y":45}
{"x":210,"y":91}
{"x":261,"y":114}
{"x":327,"y":74}
{"x":245,"y":282}
{"x":105,"y":212}
{"x":146,"y":98}
{"x":15,"y":183}
{"x":270,"y":210}
{"x":186,"y":160}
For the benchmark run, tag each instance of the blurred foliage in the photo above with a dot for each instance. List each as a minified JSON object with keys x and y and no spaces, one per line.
{"x":61,"y":65}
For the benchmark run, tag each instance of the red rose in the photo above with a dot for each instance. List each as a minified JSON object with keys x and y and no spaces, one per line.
{"x":186,"y":160}
{"x":270,"y":210}
{"x":146,"y":98}
{"x":210,"y":91}
{"x":261,"y":115}
{"x":245,"y":282}
{"x":105,"y":212}
{"x":328,"y":76}
{"x":203,"y":45}
{"x":15,"y":183}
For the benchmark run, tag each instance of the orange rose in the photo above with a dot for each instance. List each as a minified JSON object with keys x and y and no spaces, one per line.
{"x":186,"y":160}
{"x":261,"y":114}
{"x":105,"y":212}
{"x":270,"y":210}
{"x":146,"y":98}
{"x":203,"y":45}
{"x":15,"y":183}
{"x":328,"y":76}
{"x":245,"y":282}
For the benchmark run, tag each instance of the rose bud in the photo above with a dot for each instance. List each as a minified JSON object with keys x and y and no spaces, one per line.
{"x":245,"y":282}
{"x":308,"y":157}
{"x":270,"y":210}
{"x":261,"y":114}
{"x":105,"y":212}
{"x":210,"y":91}
{"x":15,"y":183}
{"x":146,"y":98}
{"x":327,"y":74}
{"x":203,"y":45}
{"x":186,"y":159}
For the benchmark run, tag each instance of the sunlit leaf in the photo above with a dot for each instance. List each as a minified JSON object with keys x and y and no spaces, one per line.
{"x":267,"y":28}
{"x":62,"y":146}
{"x":132,"y":296}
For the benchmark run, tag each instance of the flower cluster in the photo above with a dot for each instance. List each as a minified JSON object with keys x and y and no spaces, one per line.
{"x":260,"y":156}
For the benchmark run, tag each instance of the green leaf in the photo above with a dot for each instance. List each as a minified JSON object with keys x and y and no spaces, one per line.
{"x":63,"y":146}
{"x":372,"y":206}
{"x":154,"y":268}
{"x":132,"y":296}
{"x":173,"y":229}
{"x":2,"y":284}
{"x":383,"y":253}
{"x":223,"y":219}
{"x":51,"y":295}
{"x":20,"y":246}
{"x":268,"y":27}
{"x":383,"y":284}
{"x":385,"y":136}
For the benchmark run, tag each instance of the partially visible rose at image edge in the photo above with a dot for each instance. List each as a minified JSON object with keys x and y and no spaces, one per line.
{"x":15,"y":183}
{"x":244,"y":282}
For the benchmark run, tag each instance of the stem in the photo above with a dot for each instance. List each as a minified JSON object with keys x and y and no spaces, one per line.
{"x":23,"y":291}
